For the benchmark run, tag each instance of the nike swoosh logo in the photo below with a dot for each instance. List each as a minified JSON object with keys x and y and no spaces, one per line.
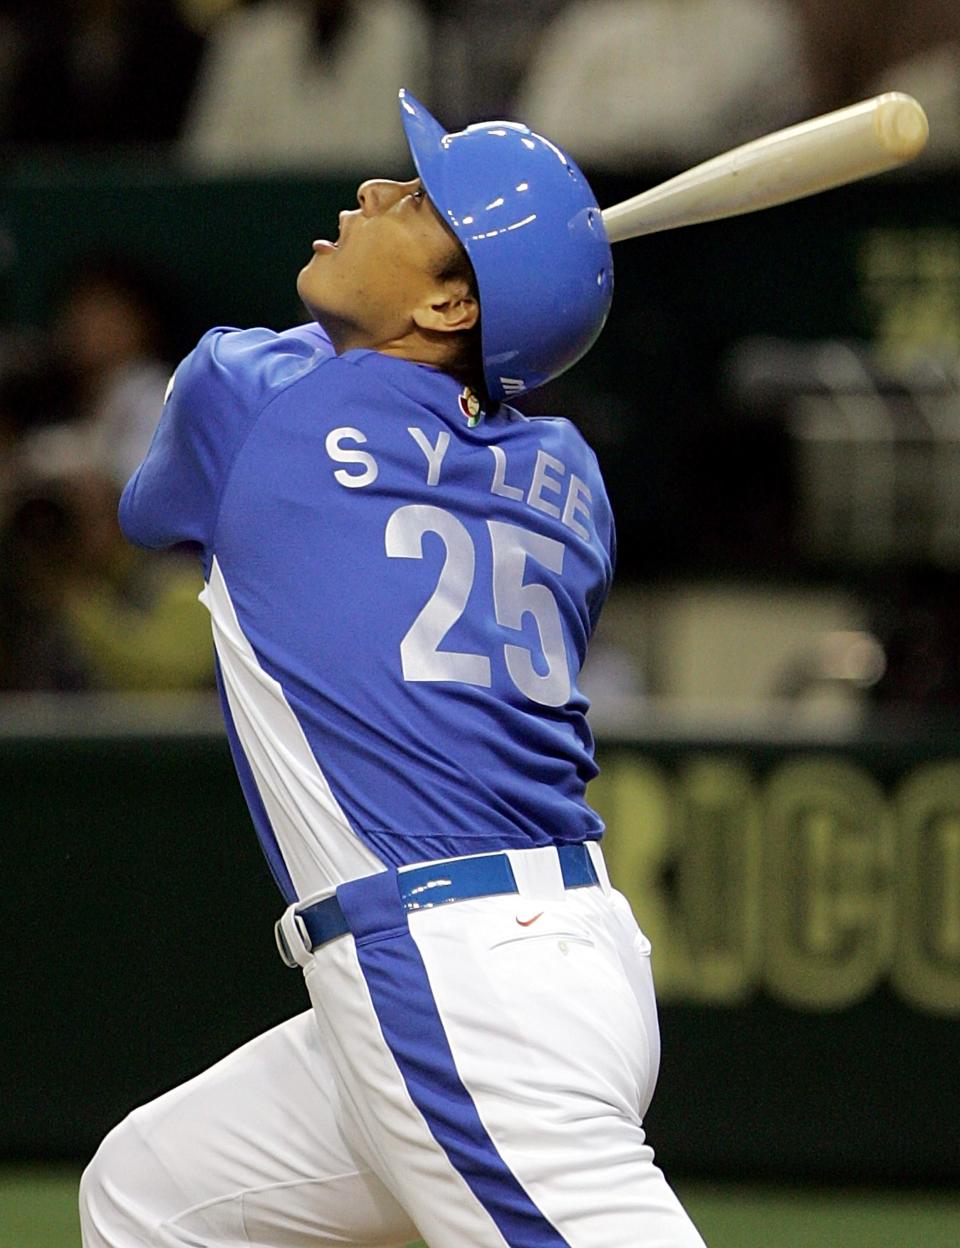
{"x":527,"y":922}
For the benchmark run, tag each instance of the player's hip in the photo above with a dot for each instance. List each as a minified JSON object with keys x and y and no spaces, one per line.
{"x":484,"y":900}
{"x":467,"y":1034}
{"x":532,"y":945}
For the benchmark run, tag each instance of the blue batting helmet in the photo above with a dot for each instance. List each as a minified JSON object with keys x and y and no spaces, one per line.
{"x":530,"y":224}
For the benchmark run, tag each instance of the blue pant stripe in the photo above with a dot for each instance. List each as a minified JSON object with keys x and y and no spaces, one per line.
{"x":400,"y":990}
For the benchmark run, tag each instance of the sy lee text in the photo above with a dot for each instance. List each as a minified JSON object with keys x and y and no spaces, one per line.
{"x":549,"y":489}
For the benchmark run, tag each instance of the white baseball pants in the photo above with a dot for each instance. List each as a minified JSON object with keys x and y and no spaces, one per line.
{"x":474,"y":1074}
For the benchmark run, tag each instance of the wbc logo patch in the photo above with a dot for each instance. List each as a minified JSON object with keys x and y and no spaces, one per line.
{"x":470,"y":406}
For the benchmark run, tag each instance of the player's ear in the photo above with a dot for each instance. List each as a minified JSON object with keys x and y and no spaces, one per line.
{"x":450,"y":309}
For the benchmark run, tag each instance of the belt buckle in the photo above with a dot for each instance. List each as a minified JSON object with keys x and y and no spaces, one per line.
{"x":289,"y":925}
{"x":282,"y":947}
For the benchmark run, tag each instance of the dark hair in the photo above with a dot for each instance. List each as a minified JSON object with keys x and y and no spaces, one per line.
{"x":467,"y":354}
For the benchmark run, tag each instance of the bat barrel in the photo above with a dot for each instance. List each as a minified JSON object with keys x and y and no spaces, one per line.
{"x":901,"y":125}
{"x":817,"y":155}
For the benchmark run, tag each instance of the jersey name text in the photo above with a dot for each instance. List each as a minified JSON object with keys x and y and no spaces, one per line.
{"x":551,"y":489}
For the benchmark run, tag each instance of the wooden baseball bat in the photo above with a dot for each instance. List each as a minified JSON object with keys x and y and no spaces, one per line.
{"x":816,"y":155}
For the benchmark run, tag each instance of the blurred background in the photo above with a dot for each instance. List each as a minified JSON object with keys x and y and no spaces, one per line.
{"x":775,"y":402}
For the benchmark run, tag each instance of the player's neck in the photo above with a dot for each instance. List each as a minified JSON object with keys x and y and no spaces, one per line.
{"x":418,"y":346}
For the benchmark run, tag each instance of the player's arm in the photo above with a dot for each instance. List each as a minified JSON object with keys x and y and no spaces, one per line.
{"x":214,"y":398}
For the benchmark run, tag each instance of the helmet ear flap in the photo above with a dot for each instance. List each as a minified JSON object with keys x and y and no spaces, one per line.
{"x":532,"y":229}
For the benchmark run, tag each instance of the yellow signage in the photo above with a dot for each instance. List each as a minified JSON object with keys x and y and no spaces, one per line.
{"x":809,"y":881}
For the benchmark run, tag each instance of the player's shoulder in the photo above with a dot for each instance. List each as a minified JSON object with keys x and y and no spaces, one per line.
{"x":554,"y":433}
{"x":251,"y":366}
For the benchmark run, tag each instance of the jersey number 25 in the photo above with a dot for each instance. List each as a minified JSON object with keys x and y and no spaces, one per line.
{"x":511,"y":546}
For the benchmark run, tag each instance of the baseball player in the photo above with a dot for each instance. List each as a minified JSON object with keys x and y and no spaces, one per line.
{"x":403,"y":574}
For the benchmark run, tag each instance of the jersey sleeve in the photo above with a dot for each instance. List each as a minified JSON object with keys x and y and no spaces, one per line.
{"x":599,"y":499}
{"x":607,"y":536}
{"x":606,"y":525}
{"x":213,"y":399}
{"x":602,"y":522}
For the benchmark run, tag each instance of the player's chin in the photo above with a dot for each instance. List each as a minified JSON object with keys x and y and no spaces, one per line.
{"x":307,"y":286}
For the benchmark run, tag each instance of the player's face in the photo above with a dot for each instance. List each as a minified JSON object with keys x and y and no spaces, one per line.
{"x":378,"y":282}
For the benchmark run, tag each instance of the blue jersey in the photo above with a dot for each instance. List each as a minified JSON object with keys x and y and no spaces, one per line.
{"x":401,"y":592}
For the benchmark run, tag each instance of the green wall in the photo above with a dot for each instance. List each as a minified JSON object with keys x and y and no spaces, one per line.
{"x":802,"y":900}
